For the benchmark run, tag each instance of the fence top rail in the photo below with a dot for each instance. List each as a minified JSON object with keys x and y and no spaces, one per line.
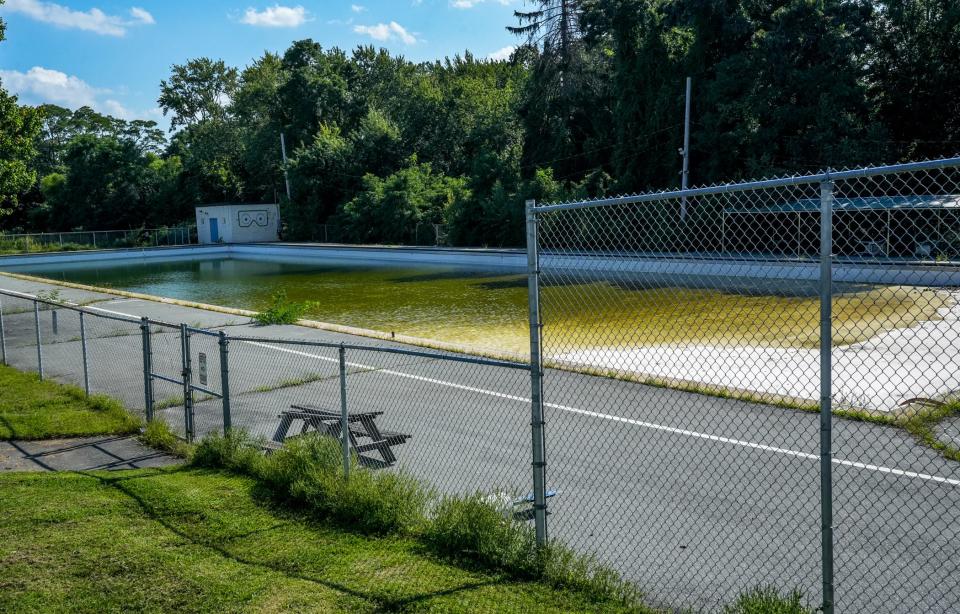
{"x":113,"y":315}
{"x":477,"y":360}
{"x":725,"y":188}
{"x":6,"y":235}
{"x":94,"y":311}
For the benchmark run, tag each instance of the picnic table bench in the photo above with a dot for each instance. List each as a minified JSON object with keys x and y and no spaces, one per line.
{"x":365,"y":435}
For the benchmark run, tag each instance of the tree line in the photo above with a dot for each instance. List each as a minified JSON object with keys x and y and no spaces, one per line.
{"x":590,"y":103}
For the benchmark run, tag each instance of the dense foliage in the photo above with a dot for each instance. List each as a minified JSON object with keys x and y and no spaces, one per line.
{"x":590,"y":103}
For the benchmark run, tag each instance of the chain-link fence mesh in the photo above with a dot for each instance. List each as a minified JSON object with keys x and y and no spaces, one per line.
{"x":687,"y":444}
{"x":694,"y":467}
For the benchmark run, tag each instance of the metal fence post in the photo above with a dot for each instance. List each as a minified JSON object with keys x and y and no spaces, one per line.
{"x":225,"y":381}
{"x":826,"y":375}
{"x":187,"y":382}
{"x":36,"y":321}
{"x":3,"y":338}
{"x":344,"y":416}
{"x":83,"y":353}
{"x":147,"y":368}
{"x":536,"y":378}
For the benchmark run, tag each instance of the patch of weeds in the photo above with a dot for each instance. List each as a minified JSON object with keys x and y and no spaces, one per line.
{"x":767,"y":600}
{"x":282,"y":310}
{"x":293,"y":382}
{"x":158,"y":436}
{"x":477,"y":529}
{"x":922,"y":424}
{"x":177,"y":401}
{"x":54,"y":296}
{"x":236,"y":451}
{"x":308,"y":472}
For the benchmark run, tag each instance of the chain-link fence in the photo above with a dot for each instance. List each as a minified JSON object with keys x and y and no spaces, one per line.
{"x":765,"y":394}
{"x":780,"y":402}
{"x":97,"y":239}
{"x":458,"y":422}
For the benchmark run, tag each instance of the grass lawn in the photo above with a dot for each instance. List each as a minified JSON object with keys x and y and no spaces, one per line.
{"x":34,"y":409}
{"x":193,"y":540}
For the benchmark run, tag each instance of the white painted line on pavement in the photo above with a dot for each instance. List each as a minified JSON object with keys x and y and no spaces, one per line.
{"x":631,"y":421}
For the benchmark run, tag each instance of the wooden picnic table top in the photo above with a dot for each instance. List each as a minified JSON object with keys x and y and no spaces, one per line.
{"x":326,"y":413}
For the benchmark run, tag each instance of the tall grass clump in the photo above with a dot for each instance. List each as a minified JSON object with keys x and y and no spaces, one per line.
{"x":236,"y":451}
{"x":479,"y":530}
{"x":767,"y":600}
{"x":307,"y":473}
{"x":158,"y":436}
{"x":282,"y":310}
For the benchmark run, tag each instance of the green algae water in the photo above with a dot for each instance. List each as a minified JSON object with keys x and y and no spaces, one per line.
{"x":487,"y":310}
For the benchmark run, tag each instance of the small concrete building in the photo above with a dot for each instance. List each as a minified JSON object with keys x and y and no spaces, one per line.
{"x":238,"y":223}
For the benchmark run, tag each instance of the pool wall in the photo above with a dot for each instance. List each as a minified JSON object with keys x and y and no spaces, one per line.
{"x":888,"y":273}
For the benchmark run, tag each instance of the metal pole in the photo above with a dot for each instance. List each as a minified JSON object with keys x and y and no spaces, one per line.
{"x":94,"y":239}
{"x":685,"y":173}
{"x":826,"y":377}
{"x":147,"y":368}
{"x":225,"y":381}
{"x":286,"y":176}
{"x":344,"y":416}
{"x":536,"y":379}
{"x":36,"y":321}
{"x":83,"y":355}
{"x":187,"y":382}
{"x":3,"y":338}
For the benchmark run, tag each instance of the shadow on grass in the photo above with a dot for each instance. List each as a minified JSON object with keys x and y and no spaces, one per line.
{"x":382,"y":604}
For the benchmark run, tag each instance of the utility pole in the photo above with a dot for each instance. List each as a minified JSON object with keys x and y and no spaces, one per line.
{"x":685,"y":152}
{"x":286,"y":177}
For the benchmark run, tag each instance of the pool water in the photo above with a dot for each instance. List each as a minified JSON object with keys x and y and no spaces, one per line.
{"x":488,"y":309}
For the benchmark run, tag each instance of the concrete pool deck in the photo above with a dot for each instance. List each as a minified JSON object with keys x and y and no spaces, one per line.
{"x":676,"y":489}
{"x":713,"y":266}
{"x":880,"y":374}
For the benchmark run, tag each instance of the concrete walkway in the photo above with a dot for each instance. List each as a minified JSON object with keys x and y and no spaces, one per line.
{"x":110,"y":452}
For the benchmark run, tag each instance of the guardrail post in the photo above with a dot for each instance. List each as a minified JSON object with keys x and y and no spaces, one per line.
{"x":225,"y":381}
{"x":36,"y":321}
{"x":147,"y":368}
{"x":3,"y":338}
{"x":83,"y":354}
{"x":826,"y":377}
{"x":187,"y":383}
{"x":536,"y":378}
{"x":344,"y":416}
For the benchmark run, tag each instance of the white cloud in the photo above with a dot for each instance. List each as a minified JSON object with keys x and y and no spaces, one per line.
{"x":93,"y":20}
{"x":44,"y":85}
{"x":39,"y":85}
{"x":469,"y":4}
{"x":275,"y":16}
{"x":386,"y":32}
{"x":356,"y":8}
{"x":142,"y":15}
{"x":502,"y":54}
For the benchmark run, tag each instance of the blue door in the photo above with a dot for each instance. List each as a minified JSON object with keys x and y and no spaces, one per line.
{"x":214,"y":230}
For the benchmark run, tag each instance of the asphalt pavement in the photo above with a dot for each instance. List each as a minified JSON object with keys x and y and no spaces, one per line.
{"x":694,"y":497}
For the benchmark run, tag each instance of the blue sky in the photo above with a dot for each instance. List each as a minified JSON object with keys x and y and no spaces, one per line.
{"x":111,"y":55}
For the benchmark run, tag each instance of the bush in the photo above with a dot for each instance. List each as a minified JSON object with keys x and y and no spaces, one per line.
{"x":282,"y":310}
{"x":767,"y":600}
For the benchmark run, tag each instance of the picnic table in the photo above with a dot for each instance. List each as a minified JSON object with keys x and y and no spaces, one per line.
{"x":365,"y":436}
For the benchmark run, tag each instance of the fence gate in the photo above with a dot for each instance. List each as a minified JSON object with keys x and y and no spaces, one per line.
{"x":751,"y":385}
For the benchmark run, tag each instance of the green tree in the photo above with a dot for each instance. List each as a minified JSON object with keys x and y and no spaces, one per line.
{"x":198,"y":91}
{"x":19,"y":129}
{"x":915,"y":75}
